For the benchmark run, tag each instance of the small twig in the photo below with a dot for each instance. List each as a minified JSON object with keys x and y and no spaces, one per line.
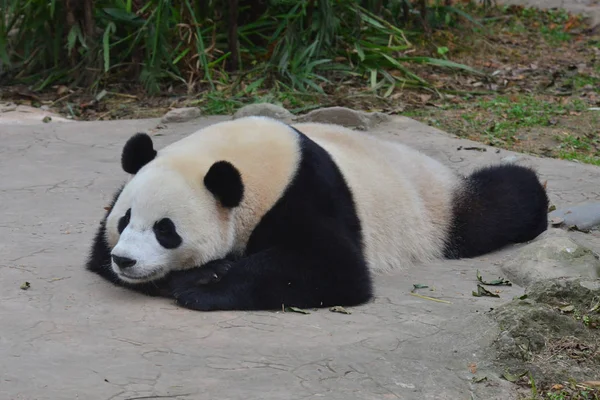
{"x":430,"y":298}
{"x":62,"y":98}
{"x":103,"y":115}
{"x":159,"y":397}
{"x":129,"y":96}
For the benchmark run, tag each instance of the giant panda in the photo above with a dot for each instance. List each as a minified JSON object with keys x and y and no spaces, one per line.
{"x":256,"y":214}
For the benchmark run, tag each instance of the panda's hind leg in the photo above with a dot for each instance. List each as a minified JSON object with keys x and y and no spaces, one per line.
{"x":497,"y":206}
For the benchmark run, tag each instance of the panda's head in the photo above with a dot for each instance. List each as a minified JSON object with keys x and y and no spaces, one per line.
{"x":170,"y":216}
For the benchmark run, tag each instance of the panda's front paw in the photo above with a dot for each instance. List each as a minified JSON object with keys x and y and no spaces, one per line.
{"x":211,"y":272}
{"x":207,"y":274}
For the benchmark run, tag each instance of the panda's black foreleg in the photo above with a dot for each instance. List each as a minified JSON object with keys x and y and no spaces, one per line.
{"x":274,"y":278}
{"x":209,"y":273}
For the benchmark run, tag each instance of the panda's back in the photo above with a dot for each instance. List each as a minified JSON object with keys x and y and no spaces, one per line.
{"x":403,"y":197}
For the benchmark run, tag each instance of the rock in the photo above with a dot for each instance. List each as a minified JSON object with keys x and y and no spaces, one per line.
{"x":585,"y":216}
{"x":26,"y":115}
{"x":552,"y":255}
{"x":264,"y":110}
{"x":181,"y":115}
{"x":511,"y":159}
{"x":6,"y":107}
{"x":345,"y":117}
{"x":543,"y":327}
{"x":578,"y":293}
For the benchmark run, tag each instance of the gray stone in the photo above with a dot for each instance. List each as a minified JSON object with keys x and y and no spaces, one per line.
{"x":11,"y":114}
{"x":511,"y":159}
{"x":181,"y":115}
{"x":584,"y":216}
{"x":552,"y":255}
{"x":344,"y":116}
{"x":264,"y":110}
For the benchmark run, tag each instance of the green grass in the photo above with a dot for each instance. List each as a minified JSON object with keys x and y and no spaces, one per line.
{"x":580,"y":81}
{"x":512,"y":115}
{"x":572,"y":148}
{"x":569,"y":391}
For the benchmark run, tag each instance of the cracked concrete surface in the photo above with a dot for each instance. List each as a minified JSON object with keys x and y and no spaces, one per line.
{"x":72,"y":335}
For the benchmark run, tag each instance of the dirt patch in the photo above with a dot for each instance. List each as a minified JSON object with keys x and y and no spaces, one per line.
{"x":543,"y":125}
{"x":551,"y":336}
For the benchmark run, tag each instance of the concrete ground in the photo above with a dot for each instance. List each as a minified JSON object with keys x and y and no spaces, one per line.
{"x":74,"y":336}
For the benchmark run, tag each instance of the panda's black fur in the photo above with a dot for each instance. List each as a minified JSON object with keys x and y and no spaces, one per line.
{"x":496,"y":199}
{"x":307,"y":251}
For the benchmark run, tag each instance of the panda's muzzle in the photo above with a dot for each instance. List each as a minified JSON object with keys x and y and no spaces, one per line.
{"x":123,"y":262}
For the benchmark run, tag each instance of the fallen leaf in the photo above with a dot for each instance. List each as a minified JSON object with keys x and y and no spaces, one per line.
{"x":480,"y":379}
{"x":556,"y":220}
{"x":513,"y":378}
{"x":570,"y":23}
{"x":567,"y":309}
{"x":473,"y":368}
{"x":558,"y":386}
{"x":576,"y":228}
{"x":481,"y":291}
{"x":496,"y":282}
{"x":418,"y":286}
{"x":339,"y":309}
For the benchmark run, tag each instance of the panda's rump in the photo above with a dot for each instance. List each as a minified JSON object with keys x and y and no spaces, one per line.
{"x":403,"y":197}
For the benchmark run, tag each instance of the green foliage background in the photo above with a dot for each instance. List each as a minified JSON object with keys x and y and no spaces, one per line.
{"x":298,"y":44}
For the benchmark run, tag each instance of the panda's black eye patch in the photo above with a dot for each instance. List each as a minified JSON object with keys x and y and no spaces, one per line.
{"x":124,"y":221}
{"x":166,"y":233}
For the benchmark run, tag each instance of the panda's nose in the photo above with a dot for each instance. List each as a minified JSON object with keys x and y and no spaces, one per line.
{"x":123,"y":262}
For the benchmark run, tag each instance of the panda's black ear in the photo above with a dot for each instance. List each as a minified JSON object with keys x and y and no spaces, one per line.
{"x":225,"y":182}
{"x":137,"y":152}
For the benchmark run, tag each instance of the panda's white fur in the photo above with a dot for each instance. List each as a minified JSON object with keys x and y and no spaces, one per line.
{"x":407,"y":206}
{"x":394,"y":187}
